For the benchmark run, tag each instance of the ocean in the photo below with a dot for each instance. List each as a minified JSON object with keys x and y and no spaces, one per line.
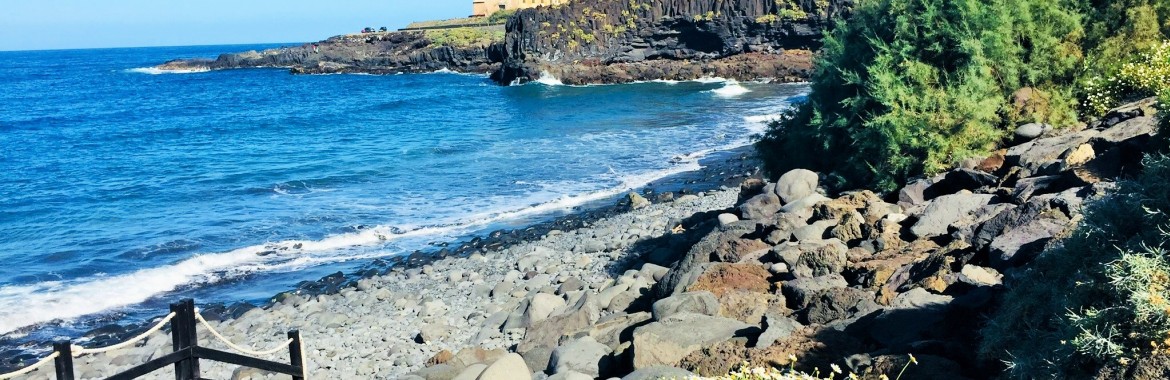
{"x":123,"y":188}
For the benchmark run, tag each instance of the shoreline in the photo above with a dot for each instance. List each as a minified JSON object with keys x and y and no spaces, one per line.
{"x":725,"y":168}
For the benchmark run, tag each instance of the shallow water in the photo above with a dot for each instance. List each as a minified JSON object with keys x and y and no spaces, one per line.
{"x":122,"y":185}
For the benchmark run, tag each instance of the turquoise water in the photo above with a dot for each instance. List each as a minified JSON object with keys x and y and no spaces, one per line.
{"x":121,"y":185}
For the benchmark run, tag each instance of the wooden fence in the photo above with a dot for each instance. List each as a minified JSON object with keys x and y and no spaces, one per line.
{"x":185,"y":354}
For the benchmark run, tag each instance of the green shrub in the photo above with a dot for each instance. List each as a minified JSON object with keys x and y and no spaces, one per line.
{"x":1100,"y":298}
{"x":1142,"y":75}
{"x":908,"y":87}
{"x":501,"y":17}
{"x":465,"y":37}
{"x":1116,"y":33}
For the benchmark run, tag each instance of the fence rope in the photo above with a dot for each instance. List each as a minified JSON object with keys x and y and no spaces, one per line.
{"x":78,"y":350}
{"x":30,"y":368}
{"x":233,"y":346}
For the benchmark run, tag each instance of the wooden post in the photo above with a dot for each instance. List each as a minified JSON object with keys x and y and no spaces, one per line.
{"x":64,"y":360}
{"x":179,"y":338}
{"x":296,"y":357}
{"x":189,"y":325}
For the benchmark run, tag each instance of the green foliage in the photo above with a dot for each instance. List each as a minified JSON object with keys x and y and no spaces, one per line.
{"x":1142,"y":75}
{"x":464,"y":37}
{"x":908,"y":87}
{"x":1100,"y":298}
{"x":767,"y":19}
{"x":501,"y":17}
{"x":1116,"y":34}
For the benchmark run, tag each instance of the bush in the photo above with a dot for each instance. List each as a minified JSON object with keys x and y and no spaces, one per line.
{"x":1142,"y":75}
{"x":908,"y":87}
{"x":1118,"y":32}
{"x":501,"y":17}
{"x":464,"y":37}
{"x":1101,"y":298}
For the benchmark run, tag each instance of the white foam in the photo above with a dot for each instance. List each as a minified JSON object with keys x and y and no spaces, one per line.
{"x":711,"y":80}
{"x":157,"y":71}
{"x":730,"y":90}
{"x":548,"y":80}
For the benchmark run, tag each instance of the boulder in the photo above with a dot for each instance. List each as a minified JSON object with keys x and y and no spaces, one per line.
{"x":506,"y":367}
{"x":659,"y":373}
{"x":726,"y":219}
{"x":1029,"y":131}
{"x":801,"y":291}
{"x":796,"y":184}
{"x":613,"y":329}
{"x":946,"y":210}
{"x":541,"y":306}
{"x":720,"y":278}
{"x":1022,"y":243}
{"x":471,"y":372}
{"x":912,"y":316}
{"x":437,"y":372}
{"x":583,"y":355}
{"x":578,"y":318}
{"x":839,"y":303}
{"x":819,"y":258}
{"x":776,"y":327}
{"x":980,"y":276}
{"x":636,"y":201}
{"x":913,"y":194}
{"x":1035,"y":154}
{"x":661,"y":343}
{"x":760,"y":207}
{"x":960,"y":179}
{"x":570,"y":375}
{"x":701,"y":302}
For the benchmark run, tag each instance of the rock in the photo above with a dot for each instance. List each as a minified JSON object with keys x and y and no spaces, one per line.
{"x":537,"y":357}
{"x":820,"y":258}
{"x":506,"y":368}
{"x":803,"y":206}
{"x":745,"y":306}
{"x":576,"y":319}
{"x":720,"y":278}
{"x":660,"y":343}
{"x":960,"y":179}
{"x":760,"y":207}
{"x":839,"y":303}
{"x":438,"y":372}
{"x":725,"y":219}
{"x":1142,"y":126}
{"x":659,"y":373}
{"x":1029,"y":131}
{"x":850,"y":228}
{"x":1022,"y":243}
{"x":583,"y":355}
{"x":946,"y":210}
{"x":442,"y":357}
{"x":801,"y":291}
{"x":701,"y":302}
{"x":796,"y":184}
{"x":636,"y":201}
{"x":1035,"y":154}
{"x":541,"y":306}
{"x":912,"y":317}
{"x":777,"y":327}
{"x":471,"y":372}
{"x":741,"y":250}
{"x":432,"y":333}
{"x":980,"y":276}
{"x":589,"y":246}
{"x":814,"y":231}
{"x":612,"y":329}
{"x":1029,"y":187}
{"x":570,"y":375}
{"x":473,"y":355}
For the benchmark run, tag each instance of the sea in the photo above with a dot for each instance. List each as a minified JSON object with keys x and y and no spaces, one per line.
{"x":123,"y":187}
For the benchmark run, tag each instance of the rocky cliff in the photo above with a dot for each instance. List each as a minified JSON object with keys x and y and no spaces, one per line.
{"x":375,"y":53}
{"x":610,"y":41}
{"x":583,"y":41}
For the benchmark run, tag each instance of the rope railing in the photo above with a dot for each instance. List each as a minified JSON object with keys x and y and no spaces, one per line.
{"x":186,"y":354}
{"x":79,"y":350}
{"x":233,"y":346}
{"x":30,"y":368}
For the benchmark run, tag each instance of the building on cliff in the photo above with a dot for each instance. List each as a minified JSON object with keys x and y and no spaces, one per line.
{"x":485,"y":8}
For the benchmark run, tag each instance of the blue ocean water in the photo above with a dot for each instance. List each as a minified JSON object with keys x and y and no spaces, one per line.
{"x":121,"y":184}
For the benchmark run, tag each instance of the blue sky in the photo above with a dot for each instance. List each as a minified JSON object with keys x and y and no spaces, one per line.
{"x":71,"y":24}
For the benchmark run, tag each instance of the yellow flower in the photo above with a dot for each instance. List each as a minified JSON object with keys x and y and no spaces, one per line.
{"x":883,"y":377}
{"x":835,"y":368}
{"x":913,"y":359}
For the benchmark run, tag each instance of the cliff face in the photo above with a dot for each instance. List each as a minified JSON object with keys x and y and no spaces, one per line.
{"x":378,"y":53}
{"x":624,"y":40}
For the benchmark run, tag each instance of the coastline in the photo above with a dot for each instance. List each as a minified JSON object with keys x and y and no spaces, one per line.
{"x":724,"y":168}
{"x":347,"y":333}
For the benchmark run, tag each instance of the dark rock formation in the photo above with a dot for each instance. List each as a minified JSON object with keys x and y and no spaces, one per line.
{"x":376,"y":53}
{"x":624,"y":40}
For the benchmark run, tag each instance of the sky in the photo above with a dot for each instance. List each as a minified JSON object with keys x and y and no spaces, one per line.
{"x":83,"y":24}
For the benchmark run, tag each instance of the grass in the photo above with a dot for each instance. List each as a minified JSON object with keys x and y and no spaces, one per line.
{"x":465,"y":37}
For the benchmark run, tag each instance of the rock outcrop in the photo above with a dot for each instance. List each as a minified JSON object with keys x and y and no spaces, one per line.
{"x":613,"y":41}
{"x":372,"y":53}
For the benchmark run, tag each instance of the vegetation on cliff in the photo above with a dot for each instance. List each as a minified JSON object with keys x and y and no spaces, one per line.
{"x":907,"y":87}
{"x":1099,"y":304}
